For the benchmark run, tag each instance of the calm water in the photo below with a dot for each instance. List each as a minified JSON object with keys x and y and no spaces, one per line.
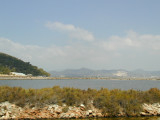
{"x":85,"y":84}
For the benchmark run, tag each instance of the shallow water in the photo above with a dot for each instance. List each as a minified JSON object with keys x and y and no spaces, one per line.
{"x":85,"y":84}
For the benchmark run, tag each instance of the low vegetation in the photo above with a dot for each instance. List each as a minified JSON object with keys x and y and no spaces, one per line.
{"x":5,"y":69}
{"x":110,"y":101}
{"x":11,"y":64}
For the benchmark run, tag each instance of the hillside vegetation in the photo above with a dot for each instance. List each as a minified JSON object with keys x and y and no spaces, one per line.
{"x":12,"y":64}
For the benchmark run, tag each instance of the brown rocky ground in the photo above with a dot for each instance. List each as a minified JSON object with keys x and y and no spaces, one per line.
{"x":11,"y":111}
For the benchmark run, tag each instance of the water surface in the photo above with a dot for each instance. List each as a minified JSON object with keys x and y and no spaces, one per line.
{"x":85,"y":84}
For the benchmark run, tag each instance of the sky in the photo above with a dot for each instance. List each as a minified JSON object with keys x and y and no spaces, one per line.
{"x":73,"y":34}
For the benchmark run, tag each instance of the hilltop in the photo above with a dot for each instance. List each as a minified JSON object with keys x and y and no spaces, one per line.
{"x":9,"y":64}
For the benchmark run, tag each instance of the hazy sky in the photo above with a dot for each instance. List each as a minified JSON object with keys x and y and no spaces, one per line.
{"x":96,"y":34}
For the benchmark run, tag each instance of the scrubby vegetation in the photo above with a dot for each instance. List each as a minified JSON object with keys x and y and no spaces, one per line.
{"x":11,"y":64}
{"x":110,"y":101}
{"x":5,"y":69}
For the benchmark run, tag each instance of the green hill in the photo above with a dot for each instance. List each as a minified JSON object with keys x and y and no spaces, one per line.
{"x":12,"y":64}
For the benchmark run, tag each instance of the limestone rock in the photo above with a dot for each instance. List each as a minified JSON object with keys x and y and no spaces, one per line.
{"x":151,"y":109}
{"x":9,"y":111}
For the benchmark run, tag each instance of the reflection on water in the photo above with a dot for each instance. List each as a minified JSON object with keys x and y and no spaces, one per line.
{"x":120,"y":118}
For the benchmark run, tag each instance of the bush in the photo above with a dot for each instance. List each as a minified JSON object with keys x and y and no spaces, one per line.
{"x":112,"y":102}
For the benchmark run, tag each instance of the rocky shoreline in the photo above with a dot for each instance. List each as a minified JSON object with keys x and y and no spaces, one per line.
{"x":12,"y":111}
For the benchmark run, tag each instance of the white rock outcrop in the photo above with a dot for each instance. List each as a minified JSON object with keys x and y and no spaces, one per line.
{"x":151,"y":109}
{"x":9,"y":111}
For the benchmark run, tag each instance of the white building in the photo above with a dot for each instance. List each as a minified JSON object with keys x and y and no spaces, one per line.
{"x":17,"y":74}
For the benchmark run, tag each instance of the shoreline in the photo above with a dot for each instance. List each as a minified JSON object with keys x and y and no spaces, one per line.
{"x":11,"y":77}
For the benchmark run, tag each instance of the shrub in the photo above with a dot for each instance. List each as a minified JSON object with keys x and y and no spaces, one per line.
{"x":110,"y":101}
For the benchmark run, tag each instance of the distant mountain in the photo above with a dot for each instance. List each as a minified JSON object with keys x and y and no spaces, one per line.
{"x":143,"y":73}
{"x":85,"y":72}
{"x":9,"y":64}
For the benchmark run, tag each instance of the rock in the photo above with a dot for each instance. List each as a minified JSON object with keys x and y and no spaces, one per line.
{"x":87,"y":113}
{"x":157,"y":105}
{"x":58,"y":110}
{"x":64,"y":105}
{"x":83,"y":109}
{"x":158,"y":111}
{"x":72,"y":115}
{"x":143,"y":113}
{"x":99,"y":115}
{"x":90,"y":111}
{"x":55,"y":108}
{"x":63,"y":115}
{"x":11,"y":111}
{"x":70,"y":108}
{"x":94,"y":114}
{"x":7,"y":114}
{"x":82,"y":105}
{"x":151,"y":109}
